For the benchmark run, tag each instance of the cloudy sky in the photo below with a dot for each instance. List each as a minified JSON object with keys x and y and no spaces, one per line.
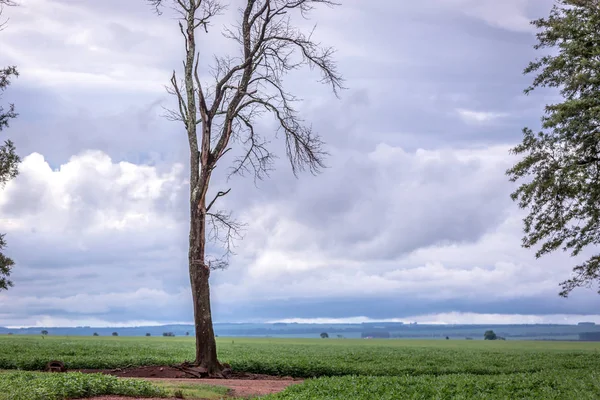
{"x":411,"y":221}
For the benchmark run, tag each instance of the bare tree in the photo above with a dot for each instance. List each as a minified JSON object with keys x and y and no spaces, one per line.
{"x":222,"y":115}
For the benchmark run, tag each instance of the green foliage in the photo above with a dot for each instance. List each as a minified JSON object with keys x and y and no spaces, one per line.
{"x":59,"y":386}
{"x":546,"y":385}
{"x":9,"y":160}
{"x":490,"y":335}
{"x":6,"y":114}
{"x":6,"y":265}
{"x":306,"y":357}
{"x":186,"y":390}
{"x":561,"y":164}
{"x":347,"y":369}
{"x":324,"y":335}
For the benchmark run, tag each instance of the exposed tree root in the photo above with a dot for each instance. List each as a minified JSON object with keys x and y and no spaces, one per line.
{"x":223,"y":370}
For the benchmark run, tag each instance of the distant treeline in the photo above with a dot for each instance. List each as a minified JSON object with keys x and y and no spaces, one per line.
{"x":375,"y":330}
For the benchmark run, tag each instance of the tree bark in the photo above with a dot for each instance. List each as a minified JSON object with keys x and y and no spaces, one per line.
{"x":206,"y":347}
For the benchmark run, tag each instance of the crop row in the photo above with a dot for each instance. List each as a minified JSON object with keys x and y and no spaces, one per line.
{"x":302,"y":358}
{"x":547,"y":385}
{"x":39,"y":386}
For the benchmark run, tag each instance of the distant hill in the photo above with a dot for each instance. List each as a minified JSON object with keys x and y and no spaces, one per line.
{"x":296,"y":330}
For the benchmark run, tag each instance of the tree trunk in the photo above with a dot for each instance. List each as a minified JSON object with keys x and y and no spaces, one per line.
{"x":206,"y":347}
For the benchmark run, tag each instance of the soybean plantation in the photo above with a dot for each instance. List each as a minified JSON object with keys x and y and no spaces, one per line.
{"x":357,"y":369}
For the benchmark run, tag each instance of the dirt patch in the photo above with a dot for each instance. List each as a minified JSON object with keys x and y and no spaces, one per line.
{"x":242,"y":387}
{"x":120,"y":398}
{"x":139,"y":372}
{"x":169,"y":372}
{"x":241,"y":384}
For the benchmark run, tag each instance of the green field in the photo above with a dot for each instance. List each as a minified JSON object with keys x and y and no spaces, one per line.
{"x":40,"y":386}
{"x":392,"y":369}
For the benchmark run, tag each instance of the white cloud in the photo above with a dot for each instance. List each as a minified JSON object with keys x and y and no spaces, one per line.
{"x":71,"y":45}
{"x":440,"y":230}
{"x":89,"y":194}
{"x":104,"y":232}
{"x":48,"y":321}
{"x":478,"y":117}
{"x":420,"y":214}
{"x":418,"y":226}
{"x":511,"y":15}
{"x":456,"y":318}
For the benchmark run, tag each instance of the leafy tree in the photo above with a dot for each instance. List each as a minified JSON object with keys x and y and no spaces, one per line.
{"x":9,"y":159}
{"x":560,"y":166}
{"x":221,"y":118}
{"x":44,"y":332}
{"x":489,"y":335}
{"x":324,"y":335}
{"x":115,"y":334}
{"x":148,"y":334}
{"x":95,"y":334}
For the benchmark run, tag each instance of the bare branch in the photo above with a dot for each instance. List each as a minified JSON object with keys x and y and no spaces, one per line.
{"x":157,"y":5}
{"x":7,"y":3}
{"x":225,"y":114}
{"x":175,"y":90}
{"x":219,"y":194}
{"x":224,"y":230}
{"x":257,"y":158}
{"x":271,"y":48}
{"x":217,"y":263}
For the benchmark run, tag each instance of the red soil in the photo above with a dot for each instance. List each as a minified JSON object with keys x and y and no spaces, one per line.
{"x":170,"y":372}
{"x":241,"y":384}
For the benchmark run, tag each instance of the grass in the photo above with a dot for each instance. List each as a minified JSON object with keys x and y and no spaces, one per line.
{"x":23,"y":385}
{"x":19,"y":385}
{"x":356,"y":369}
{"x":193,"y":390}
{"x":540,"y":385}
{"x":307,"y":357}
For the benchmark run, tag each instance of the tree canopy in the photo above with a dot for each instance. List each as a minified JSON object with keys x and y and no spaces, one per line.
{"x":9,"y":160}
{"x":560,"y":165}
{"x":490,"y":335}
